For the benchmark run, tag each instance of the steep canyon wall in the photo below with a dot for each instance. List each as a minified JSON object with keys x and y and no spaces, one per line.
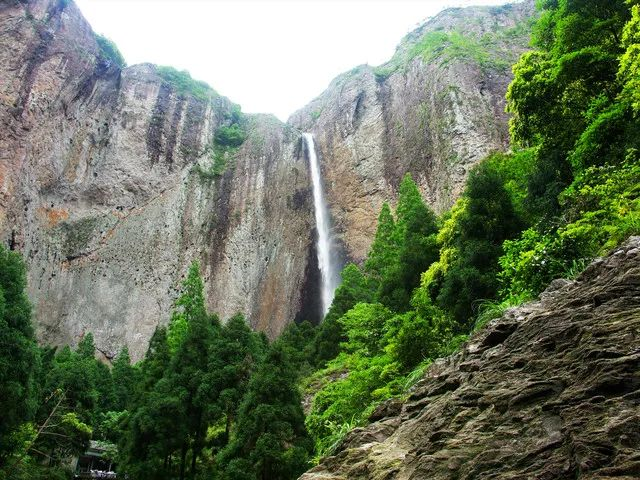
{"x":105,"y":188}
{"x":108,"y":185}
{"x":434,"y":110}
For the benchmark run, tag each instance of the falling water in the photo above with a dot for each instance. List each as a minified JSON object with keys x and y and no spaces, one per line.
{"x":323,"y":247}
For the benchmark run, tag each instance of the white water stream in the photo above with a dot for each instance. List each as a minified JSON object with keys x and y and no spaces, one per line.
{"x":326,"y":262}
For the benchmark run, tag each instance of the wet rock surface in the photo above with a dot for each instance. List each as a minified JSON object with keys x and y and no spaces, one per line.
{"x":551,"y":390}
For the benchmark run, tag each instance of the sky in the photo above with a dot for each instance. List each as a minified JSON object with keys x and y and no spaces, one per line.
{"x":269,"y":56}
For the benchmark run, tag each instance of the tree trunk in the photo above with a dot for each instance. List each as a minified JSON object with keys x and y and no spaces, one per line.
{"x":183,"y":459}
{"x":194,"y":454}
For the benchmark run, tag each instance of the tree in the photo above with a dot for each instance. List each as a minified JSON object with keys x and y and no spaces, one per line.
{"x":86,"y":347}
{"x":18,"y":351}
{"x":187,"y":375}
{"x":170,"y":410}
{"x":383,"y":252}
{"x":232,"y":359}
{"x":415,"y":240}
{"x":156,"y":361}
{"x":124,"y":380}
{"x":558,"y":88}
{"x":629,"y":72}
{"x":270,"y":440}
{"x":364,"y":325}
{"x":488,"y":220}
{"x":354,"y":288}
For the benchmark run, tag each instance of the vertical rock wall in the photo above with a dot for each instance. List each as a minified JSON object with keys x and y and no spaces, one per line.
{"x":434,"y":110}
{"x":102,"y":189}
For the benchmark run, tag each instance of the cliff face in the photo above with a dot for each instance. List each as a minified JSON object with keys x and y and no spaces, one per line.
{"x":434,"y":110}
{"x":105,"y":187}
{"x":549,"y":391}
{"x":109,"y":184}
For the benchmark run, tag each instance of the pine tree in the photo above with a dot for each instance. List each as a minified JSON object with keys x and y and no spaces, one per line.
{"x":270,"y":440}
{"x":415,"y":234}
{"x":86,"y":347}
{"x":156,"y":361}
{"x":187,"y":374}
{"x":383,"y":252}
{"x":403,"y":249}
{"x":124,"y":380}
{"x":232,"y":359}
{"x":153,"y":427}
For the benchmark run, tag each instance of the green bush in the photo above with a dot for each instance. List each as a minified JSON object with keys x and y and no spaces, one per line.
{"x":109,"y":51}
{"x":184,"y":84}
{"x":454,"y":45}
{"x":230,"y":136}
{"x":601,"y":210}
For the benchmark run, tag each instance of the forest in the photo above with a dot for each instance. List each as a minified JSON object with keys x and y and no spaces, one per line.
{"x":213,"y":399}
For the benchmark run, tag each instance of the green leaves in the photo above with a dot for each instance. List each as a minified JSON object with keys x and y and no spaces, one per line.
{"x":18,"y":351}
{"x":109,"y":51}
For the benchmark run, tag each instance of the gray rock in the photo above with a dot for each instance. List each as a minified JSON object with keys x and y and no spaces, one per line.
{"x":557,"y":398}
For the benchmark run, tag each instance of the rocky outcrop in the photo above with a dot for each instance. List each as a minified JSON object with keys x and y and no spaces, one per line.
{"x":106,"y":187}
{"x":434,"y":110}
{"x":549,"y":391}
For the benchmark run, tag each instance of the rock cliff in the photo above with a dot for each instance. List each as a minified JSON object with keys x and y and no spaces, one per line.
{"x":106,"y":188}
{"x":549,"y":391}
{"x":110,"y":182}
{"x":434,"y":110}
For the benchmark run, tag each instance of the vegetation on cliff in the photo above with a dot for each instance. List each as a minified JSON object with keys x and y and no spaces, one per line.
{"x":567,"y":193}
{"x":214,"y":400}
{"x":110,"y":51}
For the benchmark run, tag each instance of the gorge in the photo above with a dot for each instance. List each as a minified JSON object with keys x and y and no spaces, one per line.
{"x":169,"y":291}
{"x":106,"y":190}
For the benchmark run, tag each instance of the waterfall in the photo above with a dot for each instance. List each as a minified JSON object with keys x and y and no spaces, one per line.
{"x":324,"y":248}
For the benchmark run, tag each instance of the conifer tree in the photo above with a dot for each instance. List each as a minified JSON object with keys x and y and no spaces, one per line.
{"x":187,"y":374}
{"x":124,"y":380}
{"x":270,"y":442}
{"x":383,"y":252}
{"x":232,"y":359}
{"x":156,"y":361}
{"x":415,"y":239}
{"x":86,"y":347}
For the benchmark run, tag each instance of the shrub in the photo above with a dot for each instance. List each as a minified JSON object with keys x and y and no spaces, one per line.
{"x":109,"y":51}
{"x":184,"y":84}
{"x":601,"y":209}
{"x":230,"y":136}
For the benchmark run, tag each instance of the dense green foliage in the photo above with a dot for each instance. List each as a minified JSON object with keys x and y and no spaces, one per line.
{"x":567,"y":194}
{"x":184,"y":84}
{"x":18,"y":353}
{"x":207,"y":401}
{"x":489,"y":46}
{"x":199,"y":391}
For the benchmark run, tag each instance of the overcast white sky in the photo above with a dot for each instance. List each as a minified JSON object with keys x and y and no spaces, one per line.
{"x":268,"y":56}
